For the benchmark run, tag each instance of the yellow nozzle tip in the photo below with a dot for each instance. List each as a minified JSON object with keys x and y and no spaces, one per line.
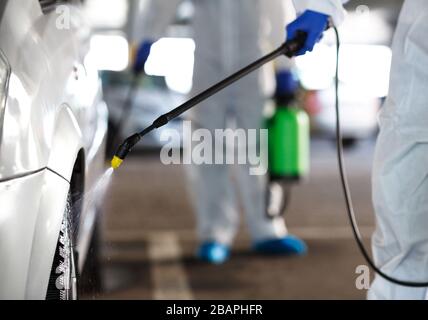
{"x":116,"y":163}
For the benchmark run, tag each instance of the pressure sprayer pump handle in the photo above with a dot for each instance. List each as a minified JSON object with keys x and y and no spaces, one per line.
{"x":289,"y":49}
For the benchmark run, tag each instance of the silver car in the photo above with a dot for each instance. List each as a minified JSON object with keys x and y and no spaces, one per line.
{"x":53,"y":124}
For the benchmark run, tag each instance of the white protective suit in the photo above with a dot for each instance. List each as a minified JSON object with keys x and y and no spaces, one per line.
{"x":400,"y":175}
{"x":228,"y":35}
{"x":400,"y":183}
{"x":332,"y":8}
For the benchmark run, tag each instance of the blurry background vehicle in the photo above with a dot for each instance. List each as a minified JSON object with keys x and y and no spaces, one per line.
{"x":365,"y":61}
{"x":168,"y":75}
{"x":53,"y":125}
{"x":361,"y":96}
{"x":151,"y":99}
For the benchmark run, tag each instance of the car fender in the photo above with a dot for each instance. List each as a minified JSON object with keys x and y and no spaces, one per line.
{"x":66,"y":143}
{"x":31,"y":215}
{"x":46,"y":232}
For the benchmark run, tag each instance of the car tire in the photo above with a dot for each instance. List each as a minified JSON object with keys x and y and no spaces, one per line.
{"x":63,"y":277}
{"x":90,"y":282}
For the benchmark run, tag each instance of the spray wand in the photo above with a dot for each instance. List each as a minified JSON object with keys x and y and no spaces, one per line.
{"x":289,"y":49}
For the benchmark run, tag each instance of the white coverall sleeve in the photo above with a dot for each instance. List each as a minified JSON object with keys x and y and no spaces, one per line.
{"x":333,"y":8}
{"x":278,"y":13}
{"x":156,"y":16}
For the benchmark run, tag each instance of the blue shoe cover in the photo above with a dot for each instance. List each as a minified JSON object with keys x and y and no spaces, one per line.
{"x":288,"y":245}
{"x":213,"y":252}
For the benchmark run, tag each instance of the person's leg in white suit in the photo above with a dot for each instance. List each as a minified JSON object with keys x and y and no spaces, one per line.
{"x":400,"y":176}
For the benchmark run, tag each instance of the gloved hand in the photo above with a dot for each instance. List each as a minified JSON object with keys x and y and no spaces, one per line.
{"x":313,"y":23}
{"x":286,"y":86}
{"x":142,"y":55}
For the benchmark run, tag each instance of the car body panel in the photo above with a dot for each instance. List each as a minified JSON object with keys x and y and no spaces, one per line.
{"x":54,"y":112}
{"x":65,"y":144}
{"x":35,"y":232}
{"x":95,"y":168}
{"x":45,"y":74}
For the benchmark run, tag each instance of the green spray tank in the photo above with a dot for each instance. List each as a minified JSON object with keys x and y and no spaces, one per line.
{"x":289,"y":144}
{"x":289,"y":133}
{"x":288,"y":147}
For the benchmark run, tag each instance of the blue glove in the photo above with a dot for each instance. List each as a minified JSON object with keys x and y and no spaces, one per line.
{"x":286,"y":83}
{"x":142,"y":55}
{"x":313,"y":23}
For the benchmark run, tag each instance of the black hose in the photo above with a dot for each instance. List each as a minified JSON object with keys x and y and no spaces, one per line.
{"x":347,"y":193}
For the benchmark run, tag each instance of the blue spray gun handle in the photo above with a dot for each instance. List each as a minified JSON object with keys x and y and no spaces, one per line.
{"x":313,"y":24}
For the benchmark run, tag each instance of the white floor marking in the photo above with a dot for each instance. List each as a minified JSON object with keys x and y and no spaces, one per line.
{"x":169,"y":278}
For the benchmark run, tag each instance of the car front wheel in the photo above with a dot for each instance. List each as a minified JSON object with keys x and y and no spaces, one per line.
{"x":63,"y":277}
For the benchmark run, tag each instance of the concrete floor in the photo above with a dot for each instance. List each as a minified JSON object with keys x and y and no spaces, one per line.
{"x":149,"y":241}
